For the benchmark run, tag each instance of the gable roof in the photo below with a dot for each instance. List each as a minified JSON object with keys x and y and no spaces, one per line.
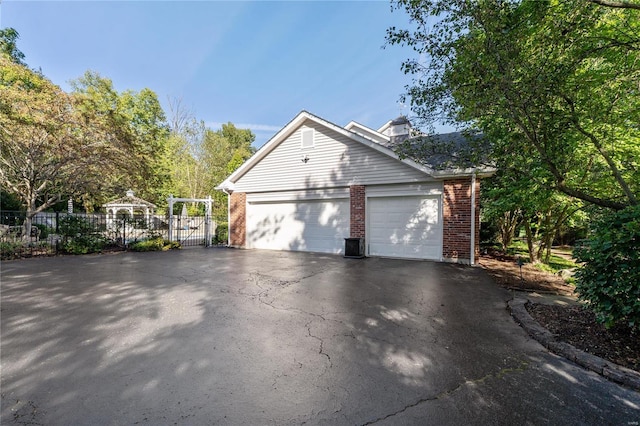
{"x":350,"y":131}
{"x":130,"y":200}
{"x":363,"y":130}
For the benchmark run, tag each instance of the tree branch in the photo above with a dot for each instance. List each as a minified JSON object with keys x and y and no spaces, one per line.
{"x":616,"y":4}
{"x":596,"y":142}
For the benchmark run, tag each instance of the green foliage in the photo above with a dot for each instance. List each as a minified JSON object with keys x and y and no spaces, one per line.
{"x":222,"y":233}
{"x":552,"y":265}
{"x":131,"y":128}
{"x":8,"y":45}
{"x":41,"y":152}
{"x":80,"y":236}
{"x":154,"y":244}
{"x":9,"y":201}
{"x":202,"y":158}
{"x":9,"y":250}
{"x":43,"y":230}
{"x":552,"y":85}
{"x":609,"y":281}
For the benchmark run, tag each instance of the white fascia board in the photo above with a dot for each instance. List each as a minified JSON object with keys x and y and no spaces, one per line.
{"x":355,"y":124}
{"x":454,"y":173}
{"x":385,"y":126}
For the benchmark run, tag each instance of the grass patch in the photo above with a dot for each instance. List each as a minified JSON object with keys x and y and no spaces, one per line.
{"x":556,"y":263}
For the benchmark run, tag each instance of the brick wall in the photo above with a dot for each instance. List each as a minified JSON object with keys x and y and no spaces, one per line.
{"x":357,"y":209}
{"x":456,"y":215}
{"x":238,"y":219}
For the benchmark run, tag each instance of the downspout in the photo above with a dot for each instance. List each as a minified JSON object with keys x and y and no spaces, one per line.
{"x":228,"y":217}
{"x":472,"y":256}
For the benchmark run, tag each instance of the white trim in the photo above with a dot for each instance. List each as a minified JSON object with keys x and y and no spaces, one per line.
{"x":473,"y":220}
{"x":429,"y":188}
{"x":458,"y":173}
{"x":228,"y":218}
{"x":305,"y":195}
{"x":382,"y":138}
{"x":385,"y":126}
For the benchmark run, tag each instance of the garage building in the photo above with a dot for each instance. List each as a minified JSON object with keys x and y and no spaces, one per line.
{"x":316,"y":183}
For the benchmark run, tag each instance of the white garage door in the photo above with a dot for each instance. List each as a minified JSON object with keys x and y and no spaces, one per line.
{"x":317,"y":226}
{"x":406,"y":227}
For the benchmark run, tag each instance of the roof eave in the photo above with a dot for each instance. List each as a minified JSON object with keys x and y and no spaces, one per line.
{"x":481,"y":172}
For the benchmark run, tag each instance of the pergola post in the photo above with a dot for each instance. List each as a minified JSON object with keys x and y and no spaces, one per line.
{"x":171,"y":201}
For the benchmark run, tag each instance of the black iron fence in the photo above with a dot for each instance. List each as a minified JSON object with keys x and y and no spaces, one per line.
{"x":78,"y":233}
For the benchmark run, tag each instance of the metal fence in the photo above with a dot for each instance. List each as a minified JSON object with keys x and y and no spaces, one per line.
{"x":59,"y":232}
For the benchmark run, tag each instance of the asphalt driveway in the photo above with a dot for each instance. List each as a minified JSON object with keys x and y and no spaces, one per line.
{"x":222,"y":336}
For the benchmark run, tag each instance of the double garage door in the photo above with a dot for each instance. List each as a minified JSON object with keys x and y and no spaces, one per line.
{"x":403,"y":227}
{"x":309,"y":225}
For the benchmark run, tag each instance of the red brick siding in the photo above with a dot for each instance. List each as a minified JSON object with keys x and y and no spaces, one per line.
{"x":357,"y":211}
{"x":238,"y":219}
{"x":456,"y":214}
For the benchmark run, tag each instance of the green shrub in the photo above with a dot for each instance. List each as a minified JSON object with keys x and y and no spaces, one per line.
{"x":84,"y":244}
{"x":44,"y":230}
{"x":609,"y":281}
{"x":80,"y":236}
{"x":222,"y":233}
{"x":10,"y":250}
{"x":154,"y":244}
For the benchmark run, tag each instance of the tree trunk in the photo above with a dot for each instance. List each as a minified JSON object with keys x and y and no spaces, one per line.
{"x":507,"y":228}
{"x":527,"y":228}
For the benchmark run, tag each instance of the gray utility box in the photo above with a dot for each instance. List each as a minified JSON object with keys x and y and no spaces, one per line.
{"x":354,"y":248}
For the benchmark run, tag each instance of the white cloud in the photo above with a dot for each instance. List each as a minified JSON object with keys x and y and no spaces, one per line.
{"x":251,"y":126}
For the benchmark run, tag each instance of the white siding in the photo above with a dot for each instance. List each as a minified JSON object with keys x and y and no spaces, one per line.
{"x":334,"y":161}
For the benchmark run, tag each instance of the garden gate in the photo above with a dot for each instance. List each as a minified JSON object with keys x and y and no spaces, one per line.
{"x":190,"y":231}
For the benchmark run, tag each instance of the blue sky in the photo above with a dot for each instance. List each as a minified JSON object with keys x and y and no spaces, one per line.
{"x":255,"y":64}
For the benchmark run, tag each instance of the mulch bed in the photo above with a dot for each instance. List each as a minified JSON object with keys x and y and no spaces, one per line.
{"x":578,"y":327}
{"x":572,"y":324}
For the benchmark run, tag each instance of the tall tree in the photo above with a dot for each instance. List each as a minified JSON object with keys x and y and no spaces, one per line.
{"x":47,"y":148}
{"x":224,"y":150}
{"x":549,"y":82}
{"x":133,"y":124}
{"x":201,"y":158}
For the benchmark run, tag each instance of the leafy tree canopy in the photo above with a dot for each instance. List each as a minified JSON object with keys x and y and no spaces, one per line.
{"x":133,"y":124}
{"x":9,"y":47}
{"x":550,"y":84}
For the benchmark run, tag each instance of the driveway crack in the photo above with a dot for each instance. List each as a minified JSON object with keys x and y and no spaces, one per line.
{"x":499,"y":374}
{"x":319,"y":339}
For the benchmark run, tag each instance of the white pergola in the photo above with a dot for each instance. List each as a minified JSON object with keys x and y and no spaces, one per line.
{"x":129,"y":204}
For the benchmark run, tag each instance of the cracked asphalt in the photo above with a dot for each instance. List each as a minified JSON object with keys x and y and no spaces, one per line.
{"x":223,"y":336}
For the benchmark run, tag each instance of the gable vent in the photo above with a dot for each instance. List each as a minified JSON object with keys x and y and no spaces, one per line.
{"x":307,"y":139}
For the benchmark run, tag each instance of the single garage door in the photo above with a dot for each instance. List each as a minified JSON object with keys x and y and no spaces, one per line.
{"x":405,"y":227}
{"x":316,"y":226}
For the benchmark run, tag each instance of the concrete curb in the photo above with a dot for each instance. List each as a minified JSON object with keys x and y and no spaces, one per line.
{"x":611,"y":371}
